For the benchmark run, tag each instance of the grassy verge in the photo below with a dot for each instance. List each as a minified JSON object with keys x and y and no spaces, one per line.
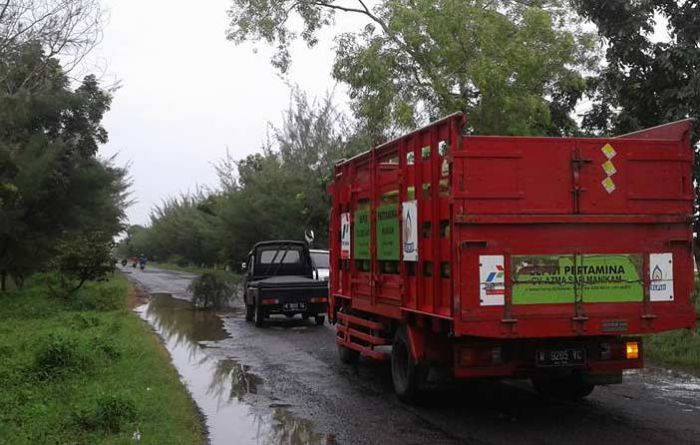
{"x":681,"y":348}
{"x":87,"y":371}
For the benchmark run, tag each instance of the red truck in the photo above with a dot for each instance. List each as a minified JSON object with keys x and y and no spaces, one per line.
{"x":512,"y":257}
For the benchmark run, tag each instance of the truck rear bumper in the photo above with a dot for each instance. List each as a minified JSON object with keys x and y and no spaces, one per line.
{"x":600,"y":359}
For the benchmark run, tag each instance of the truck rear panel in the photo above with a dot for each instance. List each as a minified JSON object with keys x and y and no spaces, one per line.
{"x":518,"y":237}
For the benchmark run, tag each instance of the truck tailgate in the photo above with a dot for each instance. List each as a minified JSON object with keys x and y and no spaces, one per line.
{"x":573,"y":236}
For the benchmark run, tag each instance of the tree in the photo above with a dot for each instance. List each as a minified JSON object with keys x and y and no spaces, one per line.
{"x":277,"y":193}
{"x":52,"y":183}
{"x":65,"y":29}
{"x":513,"y":67}
{"x":282,"y":191}
{"x":81,"y":258}
{"x":646,"y":82}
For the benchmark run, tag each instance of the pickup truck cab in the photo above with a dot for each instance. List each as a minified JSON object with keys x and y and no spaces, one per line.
{"x":280,"y":280}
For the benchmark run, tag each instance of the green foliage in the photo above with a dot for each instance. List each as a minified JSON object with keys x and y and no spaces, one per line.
{"x":82,"y":376}
{"x":647,"y":81}
{"x":110,"y":414}
{"x":81,"y":258}
{"x":513,"y":67}
{"x":52,"y":181}
{"x":214,"y":290}
{"x":60,"y":353}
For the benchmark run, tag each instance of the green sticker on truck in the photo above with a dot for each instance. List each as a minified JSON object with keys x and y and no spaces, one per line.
{"x":361,"y":234}
{"x":548,"y":279}
{"x":388,"y":245}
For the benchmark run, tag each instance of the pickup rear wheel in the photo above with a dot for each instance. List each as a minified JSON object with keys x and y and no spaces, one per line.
{"x":258,"y":316}
{"x":319,"y":319}
{"x":249,"y":312}
{"x":407,"y":374}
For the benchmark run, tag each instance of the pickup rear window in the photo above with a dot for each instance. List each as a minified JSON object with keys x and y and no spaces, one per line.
{"x":280,"y":256}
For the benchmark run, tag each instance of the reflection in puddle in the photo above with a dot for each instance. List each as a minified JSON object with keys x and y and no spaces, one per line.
{"x":221,"y":386}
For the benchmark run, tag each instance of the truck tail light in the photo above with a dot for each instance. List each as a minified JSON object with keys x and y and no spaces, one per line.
{"x":270,"y":301}
{"x":632,"y":350}
{"x":319,"y":300}
{"x":480,"y":356}
{"x":468,"y":357}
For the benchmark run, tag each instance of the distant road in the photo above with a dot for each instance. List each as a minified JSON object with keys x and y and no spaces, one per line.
{"x":297,"y":368}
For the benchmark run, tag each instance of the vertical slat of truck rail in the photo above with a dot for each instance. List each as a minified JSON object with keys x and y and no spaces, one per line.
{"x":457,"y":208}
{"x":402,"y":198}
{"x":455,"y":141}
{"x":435,"y":166}
{"x":352,"y":179}
{"x":373,"y":264}
{"x":418,"y":193}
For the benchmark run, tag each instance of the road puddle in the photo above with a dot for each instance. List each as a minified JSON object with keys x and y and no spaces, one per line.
{"x":227,"y":392}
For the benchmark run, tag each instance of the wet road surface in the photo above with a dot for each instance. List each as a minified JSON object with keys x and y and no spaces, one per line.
{"x":283,"y":384}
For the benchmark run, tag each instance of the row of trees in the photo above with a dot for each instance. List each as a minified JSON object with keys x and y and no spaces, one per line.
{"x":57,"y":197}
{"x":277,"y":193}
{"x":515,"y":67}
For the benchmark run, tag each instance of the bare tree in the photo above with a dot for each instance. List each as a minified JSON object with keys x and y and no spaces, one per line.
{"x":63,"y":29}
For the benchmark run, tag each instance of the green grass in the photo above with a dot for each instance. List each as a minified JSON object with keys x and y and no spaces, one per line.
{"x":680,"y":348}
{"x":87,"y":371}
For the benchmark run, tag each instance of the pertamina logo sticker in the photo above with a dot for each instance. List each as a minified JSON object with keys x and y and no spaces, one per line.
{"x":493,"y":281}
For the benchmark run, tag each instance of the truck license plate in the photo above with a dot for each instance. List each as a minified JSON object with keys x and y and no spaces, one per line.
{"x":294,"y":306}
{"x":560,"y":357}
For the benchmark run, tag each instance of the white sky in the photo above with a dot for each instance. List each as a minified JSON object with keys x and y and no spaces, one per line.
{"x":188,"y":94}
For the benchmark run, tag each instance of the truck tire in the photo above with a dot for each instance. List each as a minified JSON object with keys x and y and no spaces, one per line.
{"x":258,"y":316}
{"x":319,"y":319}
{"x":407,"y":375}
{"x":249,"y":312}
{"x":572,"y":387}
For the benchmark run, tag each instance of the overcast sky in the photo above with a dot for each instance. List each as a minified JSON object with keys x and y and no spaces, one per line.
{"x":188,"y":94}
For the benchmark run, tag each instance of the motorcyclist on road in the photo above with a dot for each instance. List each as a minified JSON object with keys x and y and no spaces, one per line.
{"x":142,"y":261}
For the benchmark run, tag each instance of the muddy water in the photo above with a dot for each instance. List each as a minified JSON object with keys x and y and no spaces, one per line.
{"x":227,"y":392}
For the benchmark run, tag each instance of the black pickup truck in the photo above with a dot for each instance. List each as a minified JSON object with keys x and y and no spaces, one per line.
{"x":279,"y":280}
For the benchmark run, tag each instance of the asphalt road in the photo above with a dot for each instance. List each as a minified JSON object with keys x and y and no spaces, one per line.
{"x":284,"y":384}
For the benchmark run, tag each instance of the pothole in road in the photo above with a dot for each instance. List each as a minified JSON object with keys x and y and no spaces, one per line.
{"x":229,"y":394}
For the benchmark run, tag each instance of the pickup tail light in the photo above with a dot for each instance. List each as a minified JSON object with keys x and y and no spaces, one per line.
{"x":270,"y":301}
{"x":319,"y":300}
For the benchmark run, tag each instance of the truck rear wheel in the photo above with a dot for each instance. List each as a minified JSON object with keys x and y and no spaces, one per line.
{"x":319,"y":319}
{"x":258,"y":316}
{"x":572,"y":387}
{"x":407,"y":374}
